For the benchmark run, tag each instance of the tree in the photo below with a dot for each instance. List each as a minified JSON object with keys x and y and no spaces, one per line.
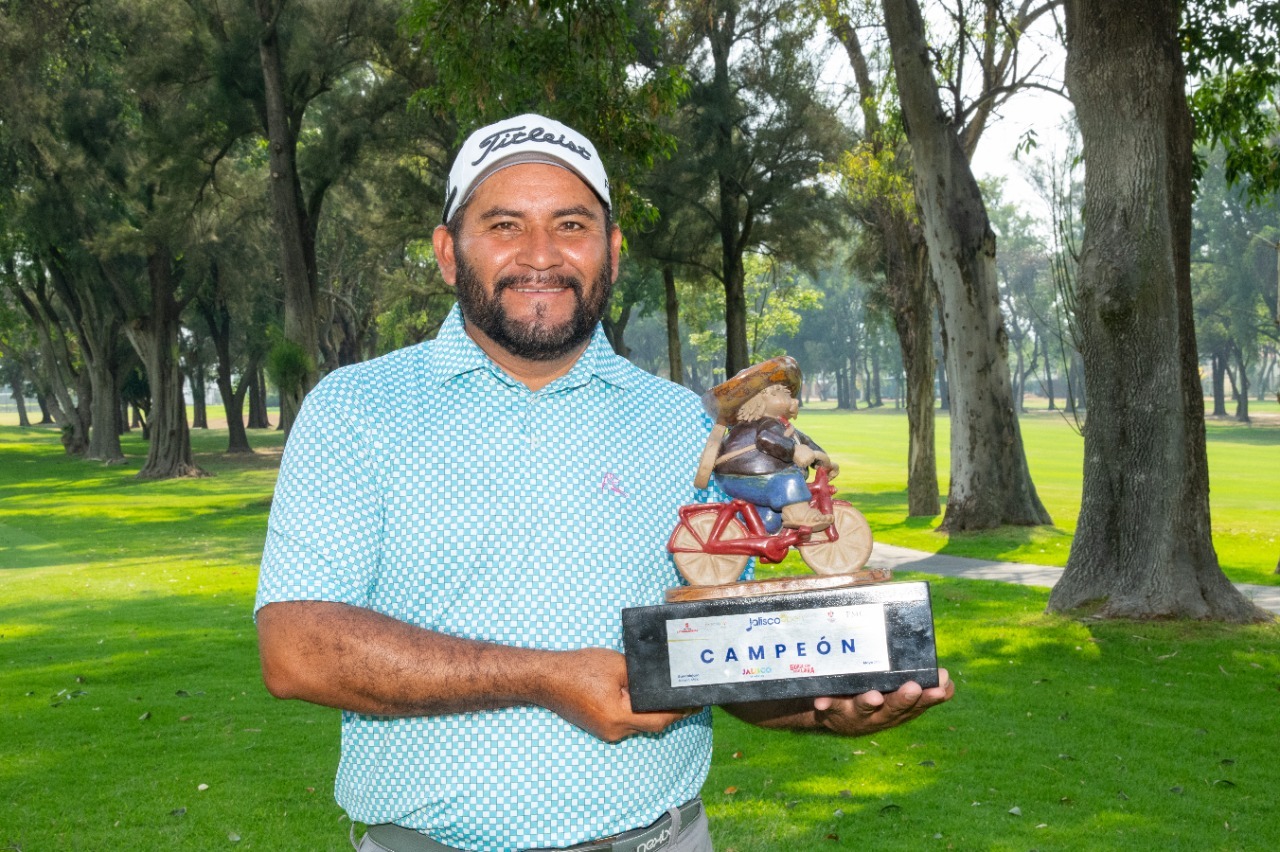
{"x":1233,"y":271}
{"x":990,"y":482}
{"x":1026,"y":288}
{"x":1142,"y":545}
{"x":877,"y":179}
{"x":761,"y":128}
{"x":593,"y":64}
{"x":315,"y":80}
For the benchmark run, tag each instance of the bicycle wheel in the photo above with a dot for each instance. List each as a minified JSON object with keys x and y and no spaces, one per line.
{"x":708,"y":569}
{"x":847,"y":553}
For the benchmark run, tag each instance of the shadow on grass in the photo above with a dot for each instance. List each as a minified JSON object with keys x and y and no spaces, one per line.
{"x":1231,"y":432}
{"x":1113,"y":728}
{"x":126,"y":707}
{"x":62,"y":510}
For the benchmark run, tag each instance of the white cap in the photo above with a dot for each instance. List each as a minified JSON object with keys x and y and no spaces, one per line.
{"x":526,"y":138}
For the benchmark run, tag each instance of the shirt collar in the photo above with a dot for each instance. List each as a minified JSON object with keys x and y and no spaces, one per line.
{"x":454,"y":353}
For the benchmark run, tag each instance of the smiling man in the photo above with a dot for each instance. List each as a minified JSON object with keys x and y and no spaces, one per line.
{"x":458,"y":525}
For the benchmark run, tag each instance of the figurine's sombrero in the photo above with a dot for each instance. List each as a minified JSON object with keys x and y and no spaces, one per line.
{"x":723,"y":401}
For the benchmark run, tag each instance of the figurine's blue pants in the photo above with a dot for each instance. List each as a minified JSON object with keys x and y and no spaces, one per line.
{"x":769,"y":492}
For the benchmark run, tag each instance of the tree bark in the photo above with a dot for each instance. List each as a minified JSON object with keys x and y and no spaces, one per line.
{"x":1218,"y":373}
{"x":15,"y":386}
{"x":671,"y":301}
{"x":217,"y":317}
{"x":258,"y":400}
{"x":97,"y":326}
{"x":1242,"y":396}
{"x":294,"y":227}
{"x":155,"y":336}
{"x":1142,"y":546}
{"x":990,"y":482}
{"x":913,"y":322}
{"x":60,"y":375}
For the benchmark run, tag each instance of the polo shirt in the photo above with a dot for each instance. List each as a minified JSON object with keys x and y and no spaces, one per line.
{"x":430,"y":486}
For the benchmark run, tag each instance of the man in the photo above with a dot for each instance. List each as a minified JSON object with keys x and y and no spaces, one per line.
{"x":457,"y":526}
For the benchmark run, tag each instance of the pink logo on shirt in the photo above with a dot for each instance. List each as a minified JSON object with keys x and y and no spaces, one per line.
{"x":612,"y":484}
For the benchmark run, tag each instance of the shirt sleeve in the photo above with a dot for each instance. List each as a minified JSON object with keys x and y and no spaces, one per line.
{"x":325,"y":530}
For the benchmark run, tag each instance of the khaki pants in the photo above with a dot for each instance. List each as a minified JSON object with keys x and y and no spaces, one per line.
{"x":694,"y":837}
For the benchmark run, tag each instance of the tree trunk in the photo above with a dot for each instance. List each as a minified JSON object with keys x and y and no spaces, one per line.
{"x":1142,"y":545}
{"x":913,"y":322}
{"x":199,"y":408}
{"x":671,"y":301}
{"x":294,"y":227}
{"x":1218,"y":372}
{"x":734,"y":227}
{"x":258,"y":400}
{"x":1242,"y":396}
{"x":944,"y":387}
{"x":46,"y":408}
{"x":990,"y":482}
{"x":155,"y":337}
{"x":20,"y":402}
{"x":75,"y":433}
{"x":60,"y":375}
{"x":104,"y":433}
{"x":218,"y":318}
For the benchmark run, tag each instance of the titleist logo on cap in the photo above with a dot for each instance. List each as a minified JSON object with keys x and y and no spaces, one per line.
{"x":507,"y":136}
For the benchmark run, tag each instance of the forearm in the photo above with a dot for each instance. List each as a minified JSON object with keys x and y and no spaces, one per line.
{"x":359,"y":660}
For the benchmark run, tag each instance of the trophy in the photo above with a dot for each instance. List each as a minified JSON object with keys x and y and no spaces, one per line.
{"x":841,"y":631}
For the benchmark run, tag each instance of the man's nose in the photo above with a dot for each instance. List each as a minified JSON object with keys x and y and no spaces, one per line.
{"x":539,"y":250}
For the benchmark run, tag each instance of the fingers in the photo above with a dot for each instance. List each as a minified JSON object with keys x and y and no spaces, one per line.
{"x":875,"y":711}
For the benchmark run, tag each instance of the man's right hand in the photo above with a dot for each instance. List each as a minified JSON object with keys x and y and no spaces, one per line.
{"x":589,"y":689}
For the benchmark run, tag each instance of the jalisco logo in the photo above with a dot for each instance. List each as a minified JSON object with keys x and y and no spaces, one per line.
{"x":508,"y":136}
{"x":763,"y":621}
{"x":688,"y":628}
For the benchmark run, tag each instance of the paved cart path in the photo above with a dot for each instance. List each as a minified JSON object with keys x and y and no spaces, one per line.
{"x":890,"y":556}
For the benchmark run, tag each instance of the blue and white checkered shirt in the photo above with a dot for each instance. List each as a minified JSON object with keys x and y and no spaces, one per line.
{"x":430,"y":486}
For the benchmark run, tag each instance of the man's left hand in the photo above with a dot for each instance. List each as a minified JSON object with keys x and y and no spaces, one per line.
{"x":850,"y":716}
{"x":858,"y":715}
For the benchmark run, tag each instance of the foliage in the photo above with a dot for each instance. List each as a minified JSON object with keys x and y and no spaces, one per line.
{"x":590,"y":64}
{"x":777,"y":297}
{"x":877,"y":176}
{"x":288,"y":365}
{"x":1232,"y":52}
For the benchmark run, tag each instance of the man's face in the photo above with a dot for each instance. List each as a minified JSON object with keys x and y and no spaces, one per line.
{"x":533,"y":261}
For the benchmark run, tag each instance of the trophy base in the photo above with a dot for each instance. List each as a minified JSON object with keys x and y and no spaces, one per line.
{"x":778,"y":586}
{"x":794,"y":637}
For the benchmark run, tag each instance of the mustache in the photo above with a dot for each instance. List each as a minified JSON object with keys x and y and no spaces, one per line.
{"x":550,"y":279}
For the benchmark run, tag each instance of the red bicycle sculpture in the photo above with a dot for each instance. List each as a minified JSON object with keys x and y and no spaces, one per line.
{"x":715,"y":539}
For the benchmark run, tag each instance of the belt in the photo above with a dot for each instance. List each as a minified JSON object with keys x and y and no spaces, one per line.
{"x":649,"y":839}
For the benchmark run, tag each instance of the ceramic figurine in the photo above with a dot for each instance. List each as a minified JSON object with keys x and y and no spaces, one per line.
{"x":760,"y":460}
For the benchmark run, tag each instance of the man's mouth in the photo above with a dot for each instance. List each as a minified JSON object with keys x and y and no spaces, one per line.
{"x":545,"y":286}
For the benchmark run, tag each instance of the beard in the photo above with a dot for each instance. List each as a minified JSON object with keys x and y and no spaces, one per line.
{"x":537,"y":339}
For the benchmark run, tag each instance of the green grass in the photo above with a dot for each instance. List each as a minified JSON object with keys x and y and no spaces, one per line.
{"x":129,"y":679}
{"x":1244,"y":472}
